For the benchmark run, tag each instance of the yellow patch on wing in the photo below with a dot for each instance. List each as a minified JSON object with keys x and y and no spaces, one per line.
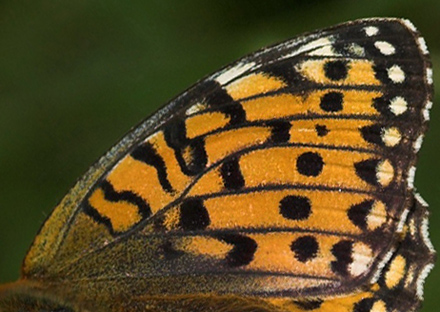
{"x":273,"y":106}
{"x":254,"y":84}
{"x":204,"y":123}
{"x":220,"y":145}
{"x":285,"y":105}
{"x":396,"y":272}
{"x":206,"y":246}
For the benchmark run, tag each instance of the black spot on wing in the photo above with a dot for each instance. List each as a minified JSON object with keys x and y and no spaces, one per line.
{"x":321,"y":130}
{"x":243,"y":250}
{"x":366,"y":170}
{"x":193,"y":215}
{"x":365,"y":305}
{"x":175,"y":134}
{"x":372,"y":134}
{"x":280,"y":131}
{"x":305,"y":248}
{"x":382,"y":105}
{"x":198,"y":157}
{"x":332,"y":102}
{"x":295,"y":207}
{"x":310,"y":164}
{"x":231,"y":174}
{"x":235,"y":112}
{"x":336,"y":70}
{"x":343,"y":254}
{"x":358,"y":213}
{"x":309,"y":305}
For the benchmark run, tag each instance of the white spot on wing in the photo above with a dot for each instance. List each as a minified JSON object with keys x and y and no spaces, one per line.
{"x":421,"y":280}
{"x":426,"y":110}
{"x":313,"y":45}
{"x":232,"y":73}
{"x":425,"y":235}
{"x":411,"y":176}
{"x":356,"y":49}
{"x":371,"y":31}
{"x":423,"y":46}
{"x":409,"y":276}
{"x":362,"y":257}
{"x":384,"y":172}
{"x":195,"y":109}
{"x":396,"y":74}
{"x":429,"y":75}
{"x":398,"y":105}
{"x":381,"y":265}
{"x":402,"y":220}
{"x":420,"y":199}
{"x":385,"y":47}
{"x":391,"y":136}
{"x":409,"y":24}
{"x":418,"y":143}
{"x":325,"y":51}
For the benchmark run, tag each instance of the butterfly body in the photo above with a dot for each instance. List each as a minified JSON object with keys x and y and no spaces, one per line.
{"x":284,"y":182}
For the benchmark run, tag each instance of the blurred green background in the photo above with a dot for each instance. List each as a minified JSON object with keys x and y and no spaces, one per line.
{"x":76,"y":75}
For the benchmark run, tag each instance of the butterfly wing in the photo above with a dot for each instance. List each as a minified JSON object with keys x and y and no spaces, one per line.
{"x":288,"y":173}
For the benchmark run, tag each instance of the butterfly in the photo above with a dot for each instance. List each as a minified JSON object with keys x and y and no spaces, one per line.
{"x":283,"y":182}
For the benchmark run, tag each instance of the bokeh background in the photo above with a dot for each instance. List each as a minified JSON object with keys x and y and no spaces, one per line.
{"x":76,"y":75}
